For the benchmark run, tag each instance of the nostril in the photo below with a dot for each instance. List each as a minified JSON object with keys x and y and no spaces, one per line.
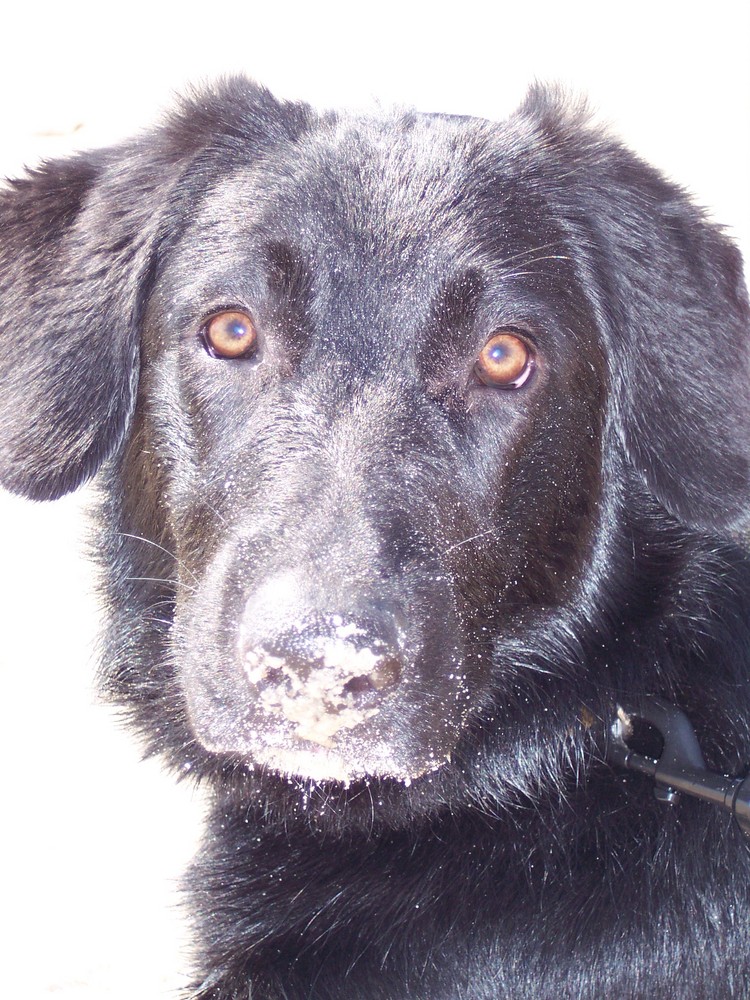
{"x":359,"y":685}
{"x":386,"y":674}
{"x":368,"y":687}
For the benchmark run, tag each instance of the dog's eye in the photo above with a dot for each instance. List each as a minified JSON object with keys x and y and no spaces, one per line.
{"x":505,"y":361}
{"x":230,"y":334}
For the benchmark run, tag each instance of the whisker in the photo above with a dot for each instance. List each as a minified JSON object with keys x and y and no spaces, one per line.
{"x":472,"y":538}
{"x":522,"y":268}
{"x":168,"y":582}
{"x":527,"y":253}
{"x":214,"y":511}
{"x":148,"y":541}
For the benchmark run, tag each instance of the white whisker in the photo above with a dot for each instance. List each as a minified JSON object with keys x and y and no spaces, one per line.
{"x":148,"y":541}
{"x":472,"y":538}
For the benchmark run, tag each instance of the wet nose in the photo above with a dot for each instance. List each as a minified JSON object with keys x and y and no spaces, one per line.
{"x":326,"y":673}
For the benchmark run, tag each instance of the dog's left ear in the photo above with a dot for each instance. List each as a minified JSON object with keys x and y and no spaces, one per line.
{"x":679,"y":331}
{"x":673,"y":307}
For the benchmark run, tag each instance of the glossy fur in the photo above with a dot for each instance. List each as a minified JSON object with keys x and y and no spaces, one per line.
{"x":528,"y":556}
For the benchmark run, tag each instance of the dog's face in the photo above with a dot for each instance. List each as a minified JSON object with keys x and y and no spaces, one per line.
{"x":351,"y":381}
{"x":395,"y":378}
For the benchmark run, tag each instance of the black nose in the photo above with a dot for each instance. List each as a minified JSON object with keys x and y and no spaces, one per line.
{"x":325,"y":674}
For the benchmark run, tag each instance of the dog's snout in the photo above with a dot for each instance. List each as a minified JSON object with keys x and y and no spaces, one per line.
{"x":325,"y":674}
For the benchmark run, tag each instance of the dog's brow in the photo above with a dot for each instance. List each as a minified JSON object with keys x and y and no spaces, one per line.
{"x":453,"y":313}
{"x":290,"y":283}
{"x":460,"y":295}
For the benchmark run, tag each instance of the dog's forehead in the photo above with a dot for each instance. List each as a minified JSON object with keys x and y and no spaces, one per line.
{"x":384,"y":219}
{"x":401,"y":193}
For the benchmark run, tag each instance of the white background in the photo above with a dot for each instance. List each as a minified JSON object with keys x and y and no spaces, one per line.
{"x":91,"y":840}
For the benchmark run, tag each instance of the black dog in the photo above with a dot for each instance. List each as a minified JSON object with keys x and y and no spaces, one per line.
{"x":422,"y":442}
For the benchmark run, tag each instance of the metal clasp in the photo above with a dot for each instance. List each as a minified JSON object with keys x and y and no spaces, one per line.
{"x":680,"y":767}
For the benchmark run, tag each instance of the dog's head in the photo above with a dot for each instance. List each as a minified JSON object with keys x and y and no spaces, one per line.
{"x":373,"y":395}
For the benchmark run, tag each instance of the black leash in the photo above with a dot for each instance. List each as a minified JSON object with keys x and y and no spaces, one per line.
{"x":680,"y":768}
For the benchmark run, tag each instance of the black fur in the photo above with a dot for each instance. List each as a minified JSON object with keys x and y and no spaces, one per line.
{"x":524,"y":557}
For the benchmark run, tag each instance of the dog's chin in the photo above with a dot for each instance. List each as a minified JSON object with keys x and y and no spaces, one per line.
{"x":330,"y":764}
{"x":365,"y":751}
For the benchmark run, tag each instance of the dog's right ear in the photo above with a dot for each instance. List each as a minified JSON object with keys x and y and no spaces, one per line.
{"x":78,"y":240}
{"x":74,"y":239}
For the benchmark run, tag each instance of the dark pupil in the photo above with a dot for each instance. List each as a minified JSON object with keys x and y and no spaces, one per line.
{"x":235,"y":328}
{"x":499,"y":352}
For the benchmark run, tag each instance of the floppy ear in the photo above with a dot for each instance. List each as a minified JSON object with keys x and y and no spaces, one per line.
{"x":75,"y":239}
{"x":673,"y":307}
{"x":78,"y":240}
{"x":680,"y":342}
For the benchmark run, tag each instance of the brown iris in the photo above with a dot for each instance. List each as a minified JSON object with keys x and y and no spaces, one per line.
{"x":505,"y":361}
{"x":230,"y":334}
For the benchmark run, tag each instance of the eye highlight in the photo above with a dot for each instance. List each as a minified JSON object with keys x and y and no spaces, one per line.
{"x":230,"y":334}
{"x":506,"y":361}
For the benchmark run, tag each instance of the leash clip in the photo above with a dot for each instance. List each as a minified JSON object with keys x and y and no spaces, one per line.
{"x":680,"y":768}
